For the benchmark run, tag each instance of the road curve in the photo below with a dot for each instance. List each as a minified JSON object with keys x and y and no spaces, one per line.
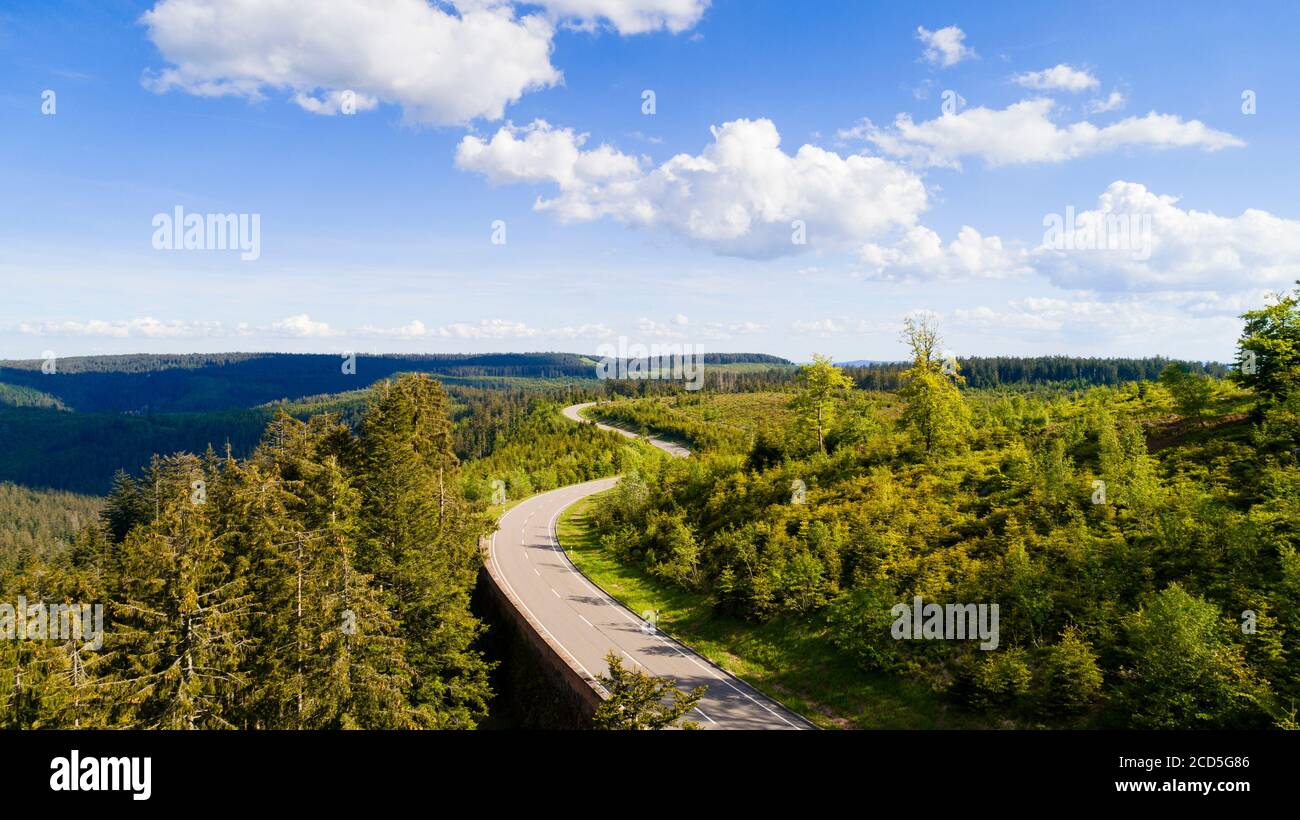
{"x":583,"y":623}
{"x":574,"y":412}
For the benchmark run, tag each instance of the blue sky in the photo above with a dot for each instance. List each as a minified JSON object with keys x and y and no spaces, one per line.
{"x":376,"y":226}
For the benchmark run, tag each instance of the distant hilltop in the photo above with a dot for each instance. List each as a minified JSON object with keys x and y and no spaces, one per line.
{"x":205,"y":382}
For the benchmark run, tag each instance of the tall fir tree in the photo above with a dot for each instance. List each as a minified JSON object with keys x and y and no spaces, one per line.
{"x":420,"y":542}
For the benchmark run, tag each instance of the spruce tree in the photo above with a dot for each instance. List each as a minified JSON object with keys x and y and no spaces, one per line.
{"x":420,"y":542}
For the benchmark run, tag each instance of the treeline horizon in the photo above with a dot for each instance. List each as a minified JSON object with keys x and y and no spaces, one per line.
{"x":72,"y":431}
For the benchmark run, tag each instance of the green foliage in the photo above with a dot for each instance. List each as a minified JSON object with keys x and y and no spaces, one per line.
{"x":820,"y":384}
{"x":1192,"y":394}
{"x":539,"y":450}
{"x":935,"y":410}
{"x":1268,"y":360}
{"x":1013,"y":518}
{"x":323,"y":582}
{"x":40,"y":523}
{"x":639,"y":701}
{"x":1000,"y":679}
{"x":1071,"y":678}
{"x":934,"y":407}
{"x":1182,"y":671}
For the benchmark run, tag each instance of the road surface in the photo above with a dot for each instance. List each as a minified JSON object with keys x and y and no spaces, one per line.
{"x":584,"y":623}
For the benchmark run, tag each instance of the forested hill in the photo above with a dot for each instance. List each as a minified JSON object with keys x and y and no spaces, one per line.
{"x":205,"y":383}
{"x":1067,"y":371}
{"x":224,"y":381}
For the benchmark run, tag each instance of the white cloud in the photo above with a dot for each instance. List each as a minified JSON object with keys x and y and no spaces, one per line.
{"x":443,"y":62}
{"x":415,"y":329}
{"x":488,"y":329}
{"x":741,"y":196}
{"x":817,"y":327}
{"x":1024,"y":133}
{"x":681,"y":328}
{"x":945,"y":47}
{"x":630,"y":16}
{"x":920,"y":254}
{"x":335,"y":102}
{"x":538,"y":153}
{"x":1210,"y":303}
{"x":597,"y":330}
{"x":660,"y":330}
{"x":985,"y":318}
{"x":439,"y":66}
{"x":1115,"y":100}
{"x":146,"y":327}
{"x":839,"y":326}
{"x":1060,"y":78}
{"x":299,"y":326}
{"x":1083,"y":325}
{"x":1175,"y":249}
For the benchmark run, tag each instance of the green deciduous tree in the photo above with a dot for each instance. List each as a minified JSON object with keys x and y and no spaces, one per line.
{"x":820,"y":385}
{"x":935,"y":409}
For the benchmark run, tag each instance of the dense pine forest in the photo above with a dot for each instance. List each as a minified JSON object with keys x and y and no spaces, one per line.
{"x":323,"y":582}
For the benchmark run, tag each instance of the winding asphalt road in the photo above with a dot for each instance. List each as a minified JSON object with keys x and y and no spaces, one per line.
{"x":583,"y":623}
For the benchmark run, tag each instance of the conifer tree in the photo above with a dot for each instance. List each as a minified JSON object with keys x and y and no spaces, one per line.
{"x":420,"y":542}
{"x":177,"y":642}
{"x":639,"y":701}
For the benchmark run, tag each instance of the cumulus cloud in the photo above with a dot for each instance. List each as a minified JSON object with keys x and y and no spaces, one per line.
{"x":1173,"y":249}
{"x":488,"y":329}
{"x":921,"y":254}
{"x":945,"y":47}
{"x":1057,"y":78}
{"x":301,"y":326}
{"x":1114,"y":101}
{"x":539,"y":152}
{"x":986,"y":318}
{"x":742,"y":195}
{"x":1024,"y":133}
{"x":443,"y":63}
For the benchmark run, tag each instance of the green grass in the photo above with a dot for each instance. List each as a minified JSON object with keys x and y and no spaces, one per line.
{"x":792,"y":660}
